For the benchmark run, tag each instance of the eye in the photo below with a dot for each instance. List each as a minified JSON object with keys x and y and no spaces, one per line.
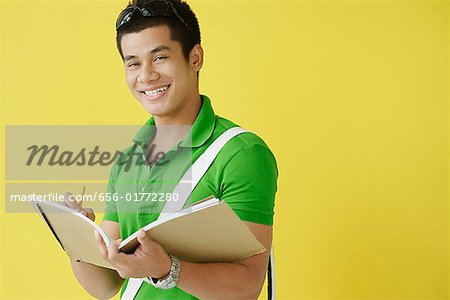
{"x":161,"y":57}
{"x":133,"y":64}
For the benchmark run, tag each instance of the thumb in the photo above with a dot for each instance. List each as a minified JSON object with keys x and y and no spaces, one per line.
{"x":89,"y":212}
{"x":143,"y":238}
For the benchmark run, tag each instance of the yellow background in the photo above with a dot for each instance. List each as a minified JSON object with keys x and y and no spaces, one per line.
{"x":352,"y":97}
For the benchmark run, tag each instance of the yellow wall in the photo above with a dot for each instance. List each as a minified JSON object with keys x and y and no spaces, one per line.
{"x":352,"y":97}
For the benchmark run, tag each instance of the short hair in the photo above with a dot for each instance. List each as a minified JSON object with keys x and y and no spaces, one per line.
{"x":187,"y":37}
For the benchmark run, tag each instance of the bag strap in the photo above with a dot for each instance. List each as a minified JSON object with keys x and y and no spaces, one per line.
{"x":271,"y":276}
{"x":193,"y":175}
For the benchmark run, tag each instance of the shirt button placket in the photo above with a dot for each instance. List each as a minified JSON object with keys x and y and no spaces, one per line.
{"x":144,"y":180}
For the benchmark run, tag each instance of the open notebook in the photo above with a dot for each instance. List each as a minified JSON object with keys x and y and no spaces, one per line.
{"x":207,"y":231}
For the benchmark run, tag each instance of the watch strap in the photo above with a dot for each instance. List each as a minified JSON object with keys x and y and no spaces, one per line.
{"x":171,"y":280}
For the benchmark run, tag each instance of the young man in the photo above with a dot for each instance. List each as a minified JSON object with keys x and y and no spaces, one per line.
{"x":159,"y":42}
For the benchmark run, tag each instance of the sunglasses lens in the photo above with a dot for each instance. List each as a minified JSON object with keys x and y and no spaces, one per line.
{"x":155,"y":8}
{"x":124,"y":17}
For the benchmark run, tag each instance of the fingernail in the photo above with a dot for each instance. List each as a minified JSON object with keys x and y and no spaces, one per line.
{"x":142,"y":232}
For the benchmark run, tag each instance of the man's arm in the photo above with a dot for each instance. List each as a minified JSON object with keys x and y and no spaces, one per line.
{"x":101,"y":283}
{"x":241,"y":280}
{"x":249,"y":183}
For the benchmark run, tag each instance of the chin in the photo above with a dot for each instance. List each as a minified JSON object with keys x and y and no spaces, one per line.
{"x":153,"y":108}
{"x":156,"y":111}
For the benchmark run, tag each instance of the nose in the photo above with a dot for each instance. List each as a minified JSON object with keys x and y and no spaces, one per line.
{"x":147,"y":73}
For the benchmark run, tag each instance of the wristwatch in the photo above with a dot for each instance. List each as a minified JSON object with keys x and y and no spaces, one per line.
{"x":171,"y":280}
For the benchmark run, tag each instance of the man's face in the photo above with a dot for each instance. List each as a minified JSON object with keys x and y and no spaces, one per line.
{"x":157,"y":73}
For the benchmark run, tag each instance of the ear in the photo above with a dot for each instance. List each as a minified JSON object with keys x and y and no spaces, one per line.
{"x":196,"y":58}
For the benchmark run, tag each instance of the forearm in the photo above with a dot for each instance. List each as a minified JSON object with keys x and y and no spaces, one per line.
{"x":101,"y":283}
{"x":219,"y":281}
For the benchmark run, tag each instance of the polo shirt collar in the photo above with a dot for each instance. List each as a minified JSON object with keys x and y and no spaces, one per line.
{"x":203,"y":126}
{"x":145,"y":133}
{"x":200,"y":132}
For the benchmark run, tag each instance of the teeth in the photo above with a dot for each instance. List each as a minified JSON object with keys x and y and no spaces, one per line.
{"x":157,"y":91}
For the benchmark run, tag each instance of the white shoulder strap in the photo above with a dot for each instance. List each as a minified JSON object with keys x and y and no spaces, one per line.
{"x":195,"y":173}
{"x":271,"y":276}
{"x":184,"y":190}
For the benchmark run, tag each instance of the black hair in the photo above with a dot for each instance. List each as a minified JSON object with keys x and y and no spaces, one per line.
{"x":187,"y":37}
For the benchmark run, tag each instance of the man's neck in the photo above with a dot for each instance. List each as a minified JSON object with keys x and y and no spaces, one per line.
{"x":167,"y":134}
{"x":185,"y":116}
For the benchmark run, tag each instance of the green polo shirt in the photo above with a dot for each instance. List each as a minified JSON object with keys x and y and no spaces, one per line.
{"x":244,"y":174}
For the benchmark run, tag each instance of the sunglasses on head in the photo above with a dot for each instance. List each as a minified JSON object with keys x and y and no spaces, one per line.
{"x":152,"y":8}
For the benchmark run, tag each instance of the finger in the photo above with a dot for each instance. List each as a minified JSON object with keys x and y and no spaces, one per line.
{"x":114,"y":254}
{"x":80,"y":204}
{"x":144,"y":238}
{"x":66,"y":196}
{"x":118,"y":244}
{"x":101,"y":245}
{"x":69,"y":199}
{"x":89,"y":212}
{"x":121,"y":275}
{"x":113,"y":248}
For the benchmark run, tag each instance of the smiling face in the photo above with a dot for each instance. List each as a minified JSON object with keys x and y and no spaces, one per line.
{"x":159,"y":76}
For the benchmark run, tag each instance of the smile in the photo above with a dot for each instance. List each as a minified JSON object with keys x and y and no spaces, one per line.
{"x":156,"y":93}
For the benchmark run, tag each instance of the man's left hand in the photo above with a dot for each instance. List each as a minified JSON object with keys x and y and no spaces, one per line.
{"x":149,"y":259}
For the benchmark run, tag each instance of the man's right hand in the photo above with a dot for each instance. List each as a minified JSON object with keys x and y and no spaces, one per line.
{"x":69,"y":201}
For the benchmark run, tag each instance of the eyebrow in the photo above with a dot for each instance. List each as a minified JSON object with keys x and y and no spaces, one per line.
{"x":153,"y":51}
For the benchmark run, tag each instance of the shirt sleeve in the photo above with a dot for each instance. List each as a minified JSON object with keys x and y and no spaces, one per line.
{"x":110,"y":208}
{"x":249,"y":184}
